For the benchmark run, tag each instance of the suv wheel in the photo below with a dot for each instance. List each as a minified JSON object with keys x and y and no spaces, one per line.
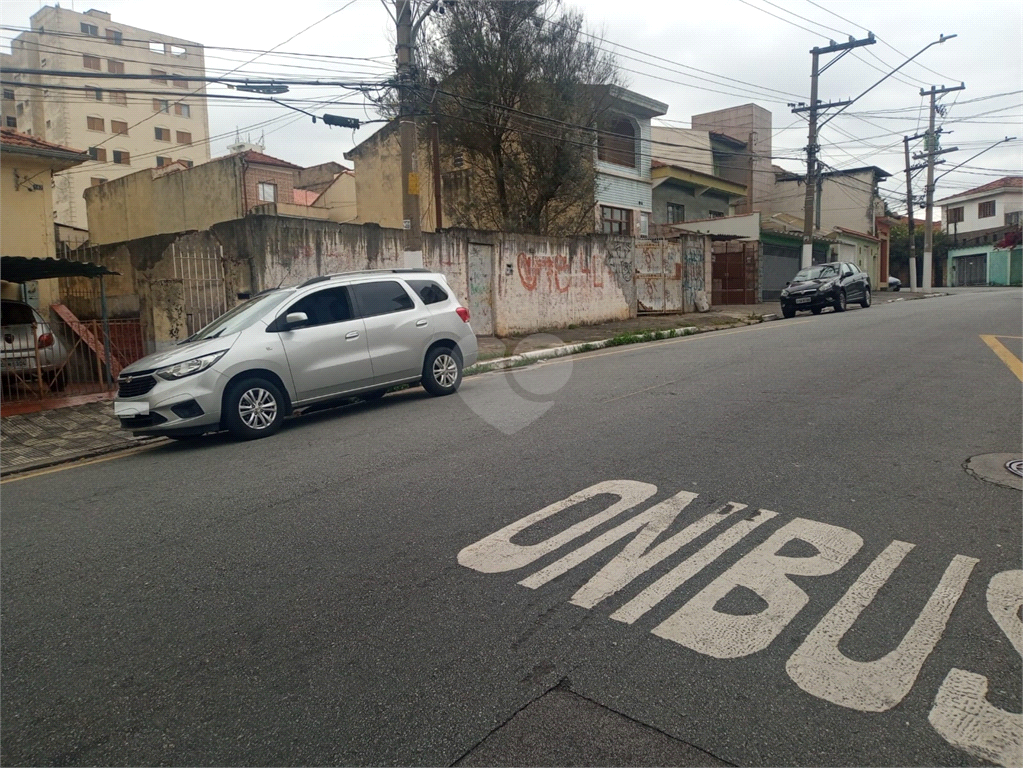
{"x":254,"y":408}
{"x":442,"y":371}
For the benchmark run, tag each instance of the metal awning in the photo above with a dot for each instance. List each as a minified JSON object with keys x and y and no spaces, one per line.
{"x":19,"y":269}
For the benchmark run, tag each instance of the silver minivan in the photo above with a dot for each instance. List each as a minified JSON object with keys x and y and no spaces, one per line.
{"x":355,"y":334}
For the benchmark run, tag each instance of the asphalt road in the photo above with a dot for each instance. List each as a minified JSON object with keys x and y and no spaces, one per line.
{"x":337,"y":594}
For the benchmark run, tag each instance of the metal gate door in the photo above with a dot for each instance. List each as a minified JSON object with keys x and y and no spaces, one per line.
{"x":668,"y":274}
{"x":734,"y":272}
{"x":481,"y":281}
{"x":970,"y":270}
{"x":201,"y":273}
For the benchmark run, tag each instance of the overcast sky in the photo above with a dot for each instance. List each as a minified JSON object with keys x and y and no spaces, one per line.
{"x":757,"y":50}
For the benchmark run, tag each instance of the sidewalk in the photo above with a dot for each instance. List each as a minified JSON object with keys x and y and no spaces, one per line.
{"x":36,"y":440}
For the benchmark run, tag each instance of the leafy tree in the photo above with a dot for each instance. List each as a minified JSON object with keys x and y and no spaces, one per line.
{"x":898,"y":251}
{"x":517,"y":88}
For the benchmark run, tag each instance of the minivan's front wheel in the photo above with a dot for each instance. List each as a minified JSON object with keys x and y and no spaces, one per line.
{"x":254,"y":408}
{"x":442,"y":371}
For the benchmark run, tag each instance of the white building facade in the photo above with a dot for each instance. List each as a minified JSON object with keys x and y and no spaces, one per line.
{"x":124,"y":124}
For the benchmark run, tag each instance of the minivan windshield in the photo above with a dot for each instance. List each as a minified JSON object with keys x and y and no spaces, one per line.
{"x":815,"y":273}
{"x":242,"y":316}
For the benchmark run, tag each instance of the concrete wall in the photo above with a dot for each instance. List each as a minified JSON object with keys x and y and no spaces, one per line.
{"x":533,"y":283}
{"x":739,"y":122}
{"x":697,"y":206}
{"x":148,"y":203}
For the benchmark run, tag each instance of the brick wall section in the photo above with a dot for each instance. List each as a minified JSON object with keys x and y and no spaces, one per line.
{"x":257,"y":173}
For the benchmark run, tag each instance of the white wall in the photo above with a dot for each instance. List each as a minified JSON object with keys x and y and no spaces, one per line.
{"x":1006,"y":201}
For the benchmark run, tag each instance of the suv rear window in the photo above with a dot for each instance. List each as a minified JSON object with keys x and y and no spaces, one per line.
{"x":381,"y":298}
{"x":428,"y":291}
{"x":15,"y":313}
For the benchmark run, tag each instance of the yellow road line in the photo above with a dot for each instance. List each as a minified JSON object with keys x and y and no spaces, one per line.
{"x":65,"y":467}
{"x":1014,"y":363}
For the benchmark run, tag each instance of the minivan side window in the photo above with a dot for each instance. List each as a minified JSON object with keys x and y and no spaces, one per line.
{"x":331,"y":305}
{"x":428,"y":291}
{"x":381,"y":298}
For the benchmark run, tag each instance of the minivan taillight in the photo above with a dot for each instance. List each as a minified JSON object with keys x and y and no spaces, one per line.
{"x":463,"y":313}
{"x":45,"y":340}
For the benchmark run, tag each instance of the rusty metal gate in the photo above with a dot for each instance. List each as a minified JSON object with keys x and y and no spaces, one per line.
{"x":734,"y":271}
{"x":669,"y":273}
{"x":200,"y":271}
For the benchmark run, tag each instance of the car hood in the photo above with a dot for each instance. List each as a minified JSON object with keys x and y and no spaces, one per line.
{"x":807,"y":284}
{"x":180,"y":353}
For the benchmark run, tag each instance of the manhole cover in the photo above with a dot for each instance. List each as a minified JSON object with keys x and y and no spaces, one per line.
{"x":1005,"y":469}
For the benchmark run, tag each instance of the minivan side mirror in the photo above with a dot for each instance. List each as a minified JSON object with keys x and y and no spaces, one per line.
{"x":295,"y":318}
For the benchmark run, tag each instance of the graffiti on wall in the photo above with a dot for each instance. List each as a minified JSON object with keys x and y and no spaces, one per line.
{"x":693,"y":280}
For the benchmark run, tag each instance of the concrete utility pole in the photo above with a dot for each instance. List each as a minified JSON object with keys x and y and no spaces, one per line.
{"x":909,"y":209}
{"x":814,"y":108}
{"x":407,"y":136}
{"x":932,"y":152}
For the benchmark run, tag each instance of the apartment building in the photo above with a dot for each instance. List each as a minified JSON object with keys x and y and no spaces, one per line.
{"x":125,"y":124}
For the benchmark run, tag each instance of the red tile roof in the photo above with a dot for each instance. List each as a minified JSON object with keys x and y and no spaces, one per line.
{"x":1006,"y":182}
{"x":253,"y":156}
{"x":13,"y":138}
{"x":304,"y":196}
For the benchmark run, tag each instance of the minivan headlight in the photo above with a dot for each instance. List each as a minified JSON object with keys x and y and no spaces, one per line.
{"x":188,"y":367}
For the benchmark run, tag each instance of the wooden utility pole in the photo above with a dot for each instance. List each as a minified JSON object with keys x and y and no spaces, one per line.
{"x":932,"y":152}
{"x":815,"y":108}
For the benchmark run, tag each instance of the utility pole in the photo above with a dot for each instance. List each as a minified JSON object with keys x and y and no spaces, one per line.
{"x":909,"y":210}
{"x":407,"y":137}
{"x":932,"y":152}
{"x":814,"y":108}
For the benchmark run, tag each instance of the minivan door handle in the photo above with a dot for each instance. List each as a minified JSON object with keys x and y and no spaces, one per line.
{"x":420,"y":323}
{"x":352,"y":335}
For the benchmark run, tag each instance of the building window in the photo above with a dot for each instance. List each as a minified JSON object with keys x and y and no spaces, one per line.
{"x":162,"y":134}
{"x":267,"y":192}
{"x":97,"y":94}
{"x":184,"y":137}
{"x":615,"y":221}
{"x":676,"y":213}
{"x":121,"y":157}
{"x":162,"y":161}
{"x":95,"y":181}
{"x":986,"y":209}
{"x":716,"y":214}
{"x":12,"y":122}
{"x":178,"y":83}
{"x":89,"y":29}
{"x":158,"y":76}
{"x":119,"y":97}
{"x":91,"y":62}
{"x":183,"y":109}
{"x":188,"y":163}
{"x":95,"y":123}
{"x":177,"y":50}
{"x":114,"y":36}
{"x":161,"y":105}
{"x":955,"y":215}
{"x":8,"y":94}
{"x":99,"y":154}
{"x":115,"y":66}
{"x":155,"y":46}
{"x":616,"y":143}
{"x":119,"y":126}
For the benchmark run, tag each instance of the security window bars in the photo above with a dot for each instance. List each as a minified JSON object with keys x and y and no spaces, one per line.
{"x":986,"y":209}
{"x":955,"y":215}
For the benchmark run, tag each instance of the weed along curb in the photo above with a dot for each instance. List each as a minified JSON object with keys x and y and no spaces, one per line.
{"x":632,"y":337}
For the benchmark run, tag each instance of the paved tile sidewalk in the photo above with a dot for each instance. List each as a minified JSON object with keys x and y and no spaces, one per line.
{"x":48,"y":437}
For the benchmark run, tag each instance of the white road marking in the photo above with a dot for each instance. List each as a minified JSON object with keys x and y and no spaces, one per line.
{"x":496,"y":553}
{"x":688,"y":568}
{"x":699,"y":626}
{"x":961,"y":712}
{"x":822,"y":670}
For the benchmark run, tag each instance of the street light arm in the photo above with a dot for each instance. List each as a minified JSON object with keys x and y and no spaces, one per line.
{"x":941,"y":39}
{"x":964,"y":162}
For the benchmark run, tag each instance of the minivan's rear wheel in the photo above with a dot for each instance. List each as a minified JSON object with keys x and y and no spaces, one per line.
{"x":254,"y":408}
{"x":442,"y":371}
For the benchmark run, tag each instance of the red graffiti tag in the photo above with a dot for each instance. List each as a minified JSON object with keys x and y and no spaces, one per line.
{"x":531,"y":267}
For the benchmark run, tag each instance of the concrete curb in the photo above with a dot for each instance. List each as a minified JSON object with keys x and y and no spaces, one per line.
{"x":88,"y":454}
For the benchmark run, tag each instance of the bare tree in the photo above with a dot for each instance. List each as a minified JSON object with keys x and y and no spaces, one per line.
{"x":518,"y":90}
